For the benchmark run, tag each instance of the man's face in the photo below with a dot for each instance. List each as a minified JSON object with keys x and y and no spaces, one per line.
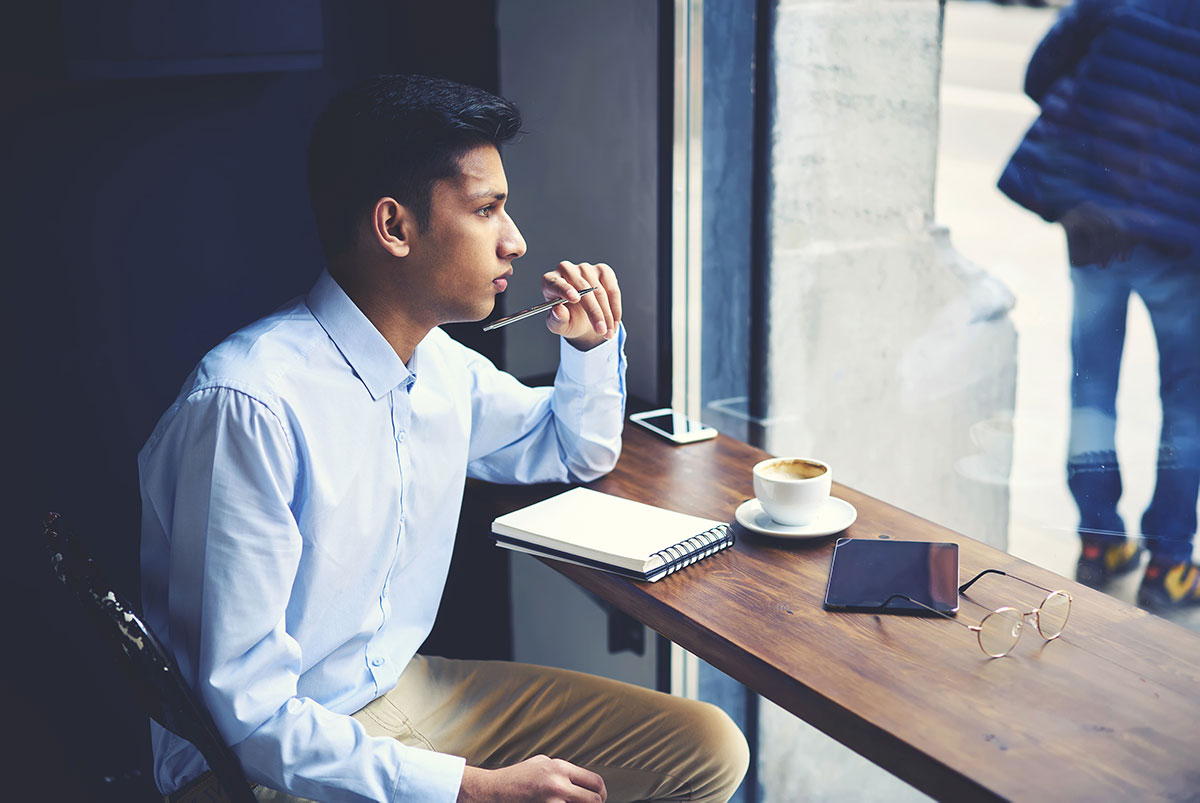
{"x":464,"y":257}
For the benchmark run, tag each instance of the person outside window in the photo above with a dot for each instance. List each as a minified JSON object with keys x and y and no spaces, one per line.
{"x":1115,"y":158}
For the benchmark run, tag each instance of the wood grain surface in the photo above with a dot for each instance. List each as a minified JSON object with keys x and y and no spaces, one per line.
{"x":1109,"y":711}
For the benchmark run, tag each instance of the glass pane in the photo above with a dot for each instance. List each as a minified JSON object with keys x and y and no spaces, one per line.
{"x":873,"y":298}
{"x":1096,"y":282}
{"x":727,"y":210}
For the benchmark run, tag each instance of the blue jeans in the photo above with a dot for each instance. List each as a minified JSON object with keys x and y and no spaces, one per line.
{"x":1170,"y":288}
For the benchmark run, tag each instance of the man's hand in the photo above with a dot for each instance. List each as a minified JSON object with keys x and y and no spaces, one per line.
{"x":536,"y":780}
{"x":588,"y":320}
{"x":1093,"y":237}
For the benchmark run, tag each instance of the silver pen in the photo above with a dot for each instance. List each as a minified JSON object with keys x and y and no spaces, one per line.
{"x":525,"y":313}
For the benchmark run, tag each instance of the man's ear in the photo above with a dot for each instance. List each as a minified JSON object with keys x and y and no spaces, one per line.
{"x":393,"y":226}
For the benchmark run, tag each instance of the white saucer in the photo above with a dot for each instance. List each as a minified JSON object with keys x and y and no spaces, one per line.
{"x":835,"y":516}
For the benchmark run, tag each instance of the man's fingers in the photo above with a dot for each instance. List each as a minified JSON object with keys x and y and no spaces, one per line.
{"x":568,"y":281}
{"x":606,"y":283}
{"x":608,"y":280}
{"x":555,"y":285}
{"x":537,"y":778}
{"x":587,"y":779}
{"x":596,"y":306}
{"x":596,"y":313}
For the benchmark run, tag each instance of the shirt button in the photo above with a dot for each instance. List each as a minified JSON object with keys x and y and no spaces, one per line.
{"x":377,"y":661}
{"x":400,"y":436}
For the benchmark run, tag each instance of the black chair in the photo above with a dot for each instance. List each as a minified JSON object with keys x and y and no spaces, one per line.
{"x":153,"y":672}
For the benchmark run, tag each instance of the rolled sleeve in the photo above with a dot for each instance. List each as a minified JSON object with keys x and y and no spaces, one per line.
{"x":571,"y":432}
{"x":589,"y":401}
{"x":599,"y":364}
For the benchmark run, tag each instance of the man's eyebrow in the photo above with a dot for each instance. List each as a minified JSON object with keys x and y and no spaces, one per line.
{"x":491,"y":194}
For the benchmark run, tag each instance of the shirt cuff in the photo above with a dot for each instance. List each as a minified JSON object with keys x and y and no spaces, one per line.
{"x":593,"y":365}
{"x":429,"y":776}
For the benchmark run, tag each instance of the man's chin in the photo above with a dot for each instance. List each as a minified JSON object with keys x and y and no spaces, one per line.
{"x":477,"y":314}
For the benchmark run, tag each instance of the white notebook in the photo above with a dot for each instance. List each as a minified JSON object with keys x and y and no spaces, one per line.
{"x":611,"y":533}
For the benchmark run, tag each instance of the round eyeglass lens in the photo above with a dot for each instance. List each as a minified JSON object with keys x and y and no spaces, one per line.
{"x":1052,"y":617}
{"x":999,"y":631}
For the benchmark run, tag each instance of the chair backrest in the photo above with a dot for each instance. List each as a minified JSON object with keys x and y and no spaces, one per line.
{"x":150,"y":667}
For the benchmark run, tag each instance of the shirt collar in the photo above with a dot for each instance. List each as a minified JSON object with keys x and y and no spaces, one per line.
{"x":369,"y":354}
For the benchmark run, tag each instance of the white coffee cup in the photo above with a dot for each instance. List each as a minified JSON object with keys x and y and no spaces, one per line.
{"x":792,"y":489}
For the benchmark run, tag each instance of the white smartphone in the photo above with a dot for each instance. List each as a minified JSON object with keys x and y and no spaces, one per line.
{"x":675,"y":427}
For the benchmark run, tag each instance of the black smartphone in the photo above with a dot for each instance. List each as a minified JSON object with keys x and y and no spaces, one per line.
{"x":865,"y":572}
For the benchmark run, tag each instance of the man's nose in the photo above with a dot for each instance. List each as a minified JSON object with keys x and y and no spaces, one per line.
{"x":512,"y":244}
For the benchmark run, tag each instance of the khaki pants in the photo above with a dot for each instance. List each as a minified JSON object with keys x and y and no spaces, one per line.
{"x":644,"y":744}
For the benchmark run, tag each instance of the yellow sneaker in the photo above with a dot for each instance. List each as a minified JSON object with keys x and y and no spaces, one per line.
{"x":1100,"y":562}
{"x":1169,"y":585}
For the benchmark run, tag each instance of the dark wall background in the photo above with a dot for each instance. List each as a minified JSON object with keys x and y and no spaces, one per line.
{"x":144,"y":219}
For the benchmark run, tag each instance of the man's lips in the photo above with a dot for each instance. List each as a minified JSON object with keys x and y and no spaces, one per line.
{"x":501,"y":282}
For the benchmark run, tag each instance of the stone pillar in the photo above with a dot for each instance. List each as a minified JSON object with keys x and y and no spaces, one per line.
{"x":888,"y":355}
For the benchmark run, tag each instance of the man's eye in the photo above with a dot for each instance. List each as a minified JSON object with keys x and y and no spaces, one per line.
{"x":486,"y":211}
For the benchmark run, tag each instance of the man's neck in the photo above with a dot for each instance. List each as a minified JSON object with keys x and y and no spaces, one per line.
{"x":379,"y":302}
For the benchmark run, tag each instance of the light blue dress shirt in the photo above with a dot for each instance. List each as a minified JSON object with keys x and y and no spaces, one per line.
{"x":299,"y":505}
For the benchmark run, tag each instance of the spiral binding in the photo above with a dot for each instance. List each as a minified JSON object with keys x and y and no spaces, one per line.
{"x":690,"y":550}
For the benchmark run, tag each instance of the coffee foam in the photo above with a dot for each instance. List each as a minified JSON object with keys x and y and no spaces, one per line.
{"x":792,"y":469}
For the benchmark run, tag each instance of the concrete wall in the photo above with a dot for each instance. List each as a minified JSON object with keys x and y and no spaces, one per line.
{"x":557,"y":623}
{"x":584,"y":182}
{"x":885,"y":349}
{"x":889,"y":356}
{"x":584,"y":187}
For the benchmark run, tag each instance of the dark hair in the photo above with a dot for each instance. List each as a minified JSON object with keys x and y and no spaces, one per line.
{"x":395,"y":135}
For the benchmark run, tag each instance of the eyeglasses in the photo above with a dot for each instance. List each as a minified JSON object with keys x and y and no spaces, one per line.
{"x":999,"y":631}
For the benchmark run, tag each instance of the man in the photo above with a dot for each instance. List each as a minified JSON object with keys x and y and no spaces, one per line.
{"x":300,"y":497}
{"x":1112,"y":157}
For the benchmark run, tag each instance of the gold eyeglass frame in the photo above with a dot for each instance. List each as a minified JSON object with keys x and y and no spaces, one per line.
{"x":1018,"y":616}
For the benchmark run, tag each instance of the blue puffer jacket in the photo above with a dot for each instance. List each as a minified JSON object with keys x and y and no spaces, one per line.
{"x":1119,"y":88}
